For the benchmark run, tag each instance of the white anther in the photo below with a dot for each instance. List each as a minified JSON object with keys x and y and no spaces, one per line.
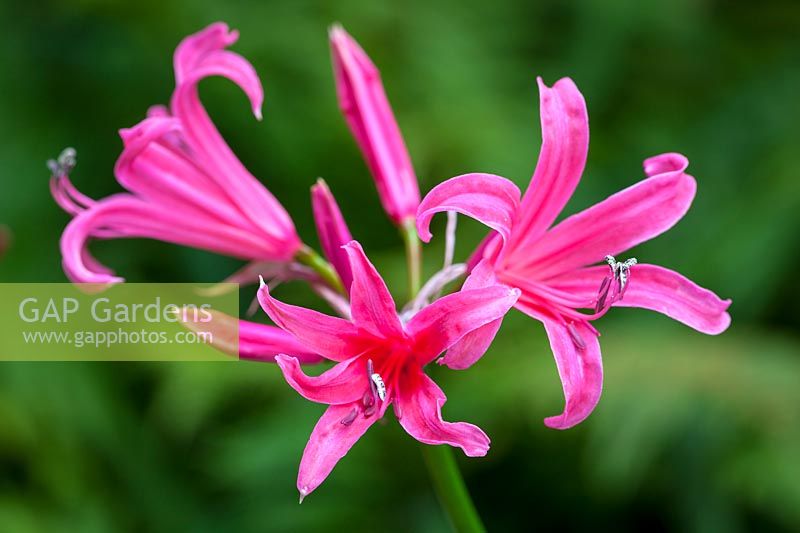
{"x":380,"y":386}
{"x":64,"y":164}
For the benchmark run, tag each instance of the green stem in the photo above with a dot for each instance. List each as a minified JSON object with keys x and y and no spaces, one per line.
{"x":451,"y":489}
{"x":413,"y":256}
{"x":308,"y":257}
{"x":445,"y":475}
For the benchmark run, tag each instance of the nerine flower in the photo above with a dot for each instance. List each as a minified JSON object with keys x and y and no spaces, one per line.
{"x":553,"y":266}
{"x":184,"y":183}
{"x":365,"y":107}
{"x":380,"y":363}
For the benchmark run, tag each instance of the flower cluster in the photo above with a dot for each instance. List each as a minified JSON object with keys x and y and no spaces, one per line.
{"x":185,"y":186}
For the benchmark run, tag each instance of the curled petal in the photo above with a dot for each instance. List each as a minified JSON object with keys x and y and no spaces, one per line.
{"x":332,"y":230}
{"x":492,"y":200}
{"x":419,"y":410}
{"x":200,"y":56}
{"x":369,"y":116}
{"x":331,"y":337}
{"x":464,"y":353}
{"x":448,"y":319}
{"x":565,"y":144}
{"x":577,"y":354}
{"x":329,"y":442}
{"x":371,"y":304}
{"x":344,"y":383}
{"x":658,"y":289}
{"x":125,"y":215}
{"x":616,"y":224}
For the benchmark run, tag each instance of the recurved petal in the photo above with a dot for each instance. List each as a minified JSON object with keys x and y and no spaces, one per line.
{"x":580,"y":367}
{"x":565,"y":144}
{"x":474,"y":344}
{"x":332,"y":230}
{"x":658,"y":289}
{"x":623,"y":220}
{"x":371,"y":304}
{"x":448,"y":319}
{"x":419,"y":410}
{"x":492,"y":200}
{"x":344,"y":383}
{"x":200,"y":56}
{"x":331,"y":337}
{"x":331,"y":439}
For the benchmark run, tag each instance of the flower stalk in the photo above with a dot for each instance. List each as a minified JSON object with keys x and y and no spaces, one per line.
{"x":448,"y":483}
{"x":308,"y":257}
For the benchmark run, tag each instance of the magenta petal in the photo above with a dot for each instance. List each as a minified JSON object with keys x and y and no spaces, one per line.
{"x":565,"y":144}
{"x":332,"y":230}
{"x":419,"y":410}
{"x":260,"y":342}
{"x":200,"y":56}
{"x":329,"y":442}
{"x":344,"y":383}
{"x":464,"y":353}
{"x":492,"y":200}
{"x":438,"y":326}
{"x":658,"y":289}
{"x":331,"y":337}
{"x":580,"y":369}
{"x":616,"y":224}
{"x":369,"y":115}
{"x":371,"y":304}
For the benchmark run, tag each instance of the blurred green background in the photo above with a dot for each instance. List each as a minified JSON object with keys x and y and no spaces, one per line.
{"x":693,"y":433}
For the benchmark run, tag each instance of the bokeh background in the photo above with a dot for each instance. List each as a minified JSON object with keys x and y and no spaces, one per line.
{"x":693,"y":433}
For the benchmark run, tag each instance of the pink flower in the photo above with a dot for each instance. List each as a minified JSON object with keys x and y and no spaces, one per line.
{"x":380,"y":363}
{"x":552,"y":265}
{"x":332,"y":230}
{"x":369,"y":115}
{"x":185,"y":184}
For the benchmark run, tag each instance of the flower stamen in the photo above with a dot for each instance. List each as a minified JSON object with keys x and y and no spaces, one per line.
{"x":64,"y":164}
{"x":613,"y":286}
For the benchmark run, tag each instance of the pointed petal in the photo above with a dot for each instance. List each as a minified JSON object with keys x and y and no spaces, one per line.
{"x":580,"y":369}
{"x":200,"y":56}
{"x":329,"y":442}
{"x":331,"y":337}
{"x":616,"y":224}
{"x":341,"y":384}
{"x":658,"y":289}
{"x":448,"y":319}
{"x":332,"y":230}
{"x":492,"y":200}
{"x":371,"y":304}
{"x":369,"y":115}
{"x":419,"y":410}
{"x":464,"y":353}
{"x":565,"y":144}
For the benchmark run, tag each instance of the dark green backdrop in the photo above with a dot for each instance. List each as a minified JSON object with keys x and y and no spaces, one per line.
{"x":693,"y":433}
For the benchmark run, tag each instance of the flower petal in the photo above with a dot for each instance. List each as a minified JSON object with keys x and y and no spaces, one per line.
{"x":464,"y":353}
{"x":247,"y":340}
{"x":200,"y":56}
{"x":371,"y":304}
{"x":616,"y":224}
{"x":332,"y":230}
{"x":419,"y":410}
{"x":369,"y":115}
{"x":448,"y":319}
{"x":490,"y":199}
{"x":331,"y":337}
{"x":565,"y":144}
{"x":343,"y":383}
{"x":658,"y":289}
{"x":580,"y":369}
{"x":329,"y":442}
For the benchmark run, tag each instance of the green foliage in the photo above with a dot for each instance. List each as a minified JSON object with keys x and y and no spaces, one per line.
{"x":693,"y":433}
